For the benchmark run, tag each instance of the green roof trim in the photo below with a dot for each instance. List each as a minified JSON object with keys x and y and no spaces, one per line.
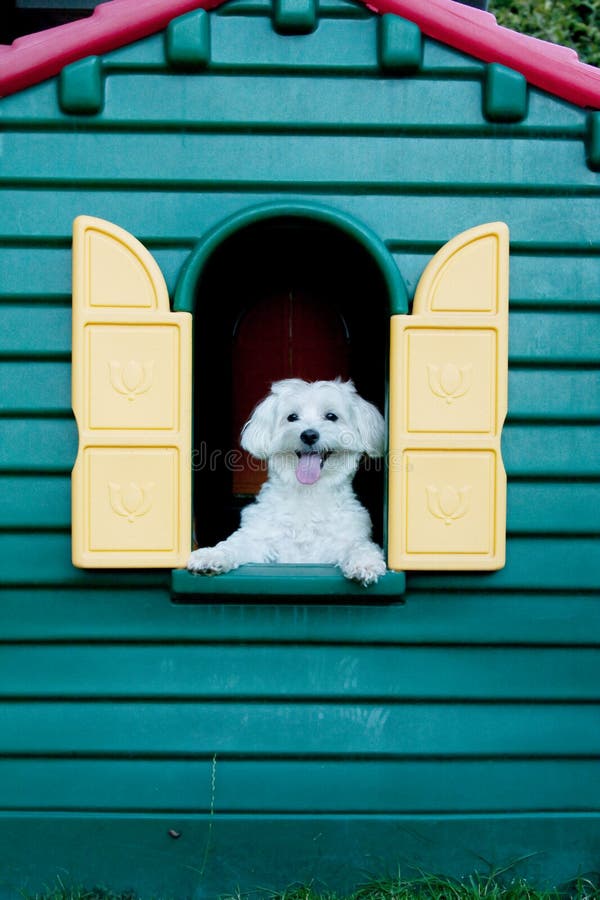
{"x":187,"y":41}
{"x":186,"y":286}
{"x":399,"y":45}
{"x":81,"y":87}
{"x":505,"y":94}
{"x":115,"y":24}
{"x":593,"y":147}
{"x":294,"y":16}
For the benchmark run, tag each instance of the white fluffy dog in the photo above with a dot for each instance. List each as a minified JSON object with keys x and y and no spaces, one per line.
{"x":313,"y":435}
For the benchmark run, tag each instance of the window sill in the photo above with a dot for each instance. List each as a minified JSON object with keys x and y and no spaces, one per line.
{"x":300,"y":581}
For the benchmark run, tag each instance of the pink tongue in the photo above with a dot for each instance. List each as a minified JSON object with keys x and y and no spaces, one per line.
{"x":308,"y":469}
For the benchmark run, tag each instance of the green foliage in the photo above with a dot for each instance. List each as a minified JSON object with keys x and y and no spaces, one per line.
{"x":573,"y":24}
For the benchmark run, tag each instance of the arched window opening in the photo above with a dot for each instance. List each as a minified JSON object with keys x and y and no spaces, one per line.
{"x":284,"y":297}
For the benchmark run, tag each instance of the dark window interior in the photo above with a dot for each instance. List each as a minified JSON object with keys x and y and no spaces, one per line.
{"x":278,"y":299}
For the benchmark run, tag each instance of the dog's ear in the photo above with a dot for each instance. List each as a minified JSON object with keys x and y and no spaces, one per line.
{"x":370,"y":426}
{"x":257,"y":433}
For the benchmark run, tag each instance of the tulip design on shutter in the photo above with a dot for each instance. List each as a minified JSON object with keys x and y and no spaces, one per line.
{"x":448,"y":401}
{"x":131,"y":379}
{"x":450,"y":382}
{"x":132,"y":500}
{"x":448,"y":503}
{"x":131,"y":484}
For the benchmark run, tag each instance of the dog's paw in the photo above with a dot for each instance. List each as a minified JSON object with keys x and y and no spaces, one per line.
{"x":364,"y":571}
{"x":210,"y":561}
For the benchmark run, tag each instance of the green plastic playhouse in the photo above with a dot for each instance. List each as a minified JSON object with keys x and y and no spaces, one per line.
{"x":283,"y":726}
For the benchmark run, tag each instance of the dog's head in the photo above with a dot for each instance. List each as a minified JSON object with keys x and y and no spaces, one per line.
{"x":314,"y":430}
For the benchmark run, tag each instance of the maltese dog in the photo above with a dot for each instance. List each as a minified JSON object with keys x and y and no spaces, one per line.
{"x":313,"y":435}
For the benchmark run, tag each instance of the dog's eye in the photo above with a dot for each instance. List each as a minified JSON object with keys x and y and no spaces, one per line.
{"x":331,"y":417}
{"x":293,"y":417}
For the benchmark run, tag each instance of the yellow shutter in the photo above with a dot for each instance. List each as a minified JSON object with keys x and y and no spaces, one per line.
{"x":448,"y":401}
{"x":131,"y":484}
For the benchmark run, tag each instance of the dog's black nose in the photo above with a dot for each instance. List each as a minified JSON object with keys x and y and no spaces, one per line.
{"x":310,"y":436}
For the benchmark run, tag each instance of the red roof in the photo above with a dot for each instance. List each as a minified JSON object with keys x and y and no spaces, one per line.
{"x":115,"y":23}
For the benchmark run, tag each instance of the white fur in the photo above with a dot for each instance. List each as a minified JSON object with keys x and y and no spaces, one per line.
{"x":290,"y":522}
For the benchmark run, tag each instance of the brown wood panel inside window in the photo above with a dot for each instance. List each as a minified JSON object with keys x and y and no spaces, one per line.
{"x":289,"y":335}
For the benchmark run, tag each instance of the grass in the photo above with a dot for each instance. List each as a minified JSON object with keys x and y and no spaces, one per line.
{"x":428,"y":887}
{"x":61,"y":892}
{"x":425,"y":887}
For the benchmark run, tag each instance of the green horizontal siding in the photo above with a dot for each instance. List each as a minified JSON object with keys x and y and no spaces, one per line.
{"x":408,"y":222}
{"x":536,"y":564}
{"x":555,"y":563}
{"x":35,"y":501}
{"x":571,"y":280}
{"x":133,"y":615}
{"x":43,"y":274}
{"x":342,"y":104}
{"x":207,"y":103}
{"x":30,"y":387}
{"x":570,"y":507}
{"x":550,"y":450}
{"x":309,"y":673}
{"x":252,"y":44}
{"x":291,"y":161}
{"x":37,"y":445}
{"x":537,"y":337}
{"x":53,"y":564}
{"x":377,"y":729}
{"x":35,"y":331}
{"x":331,"y":47}
{"x":553,"y":394}
{"x":171,"y":101}
{"x":275,"y":786}
{"x":41,"y":501}
{"x":560,"y":451}
{"x":553,"y":337}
